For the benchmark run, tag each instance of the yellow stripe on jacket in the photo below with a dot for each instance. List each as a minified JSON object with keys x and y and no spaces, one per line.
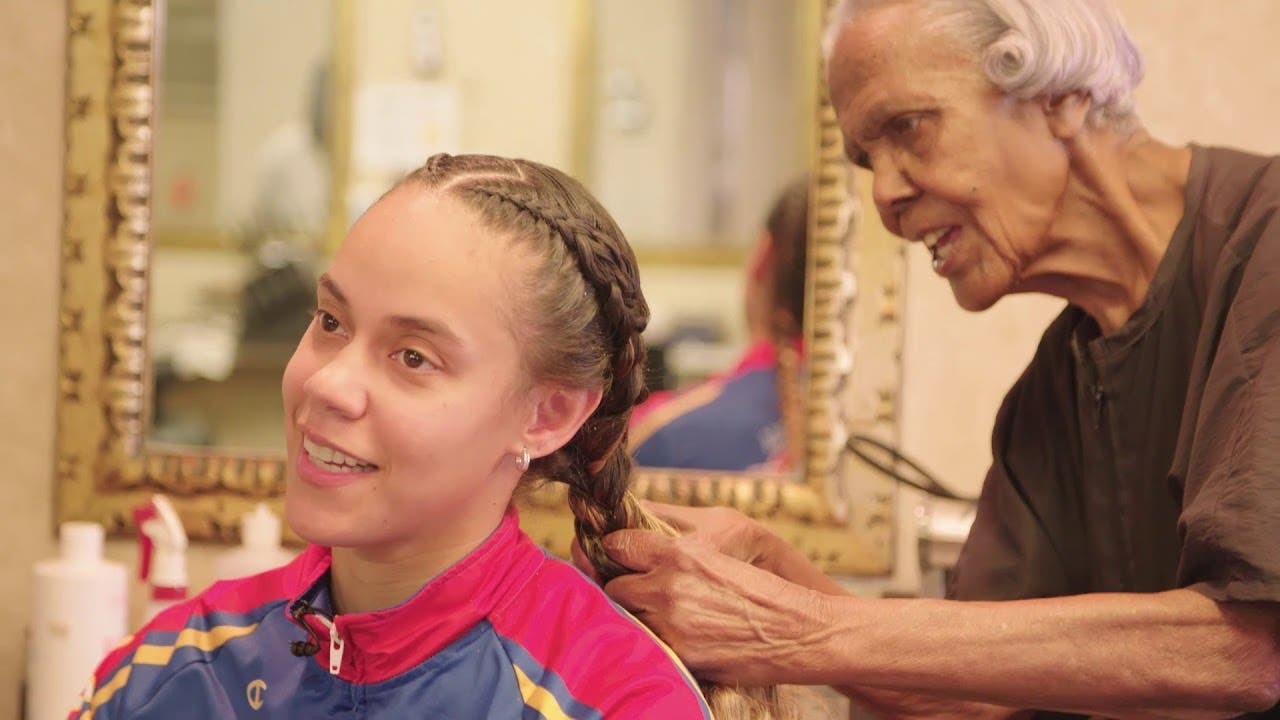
{"x":206,"y":640}
{"x":538,"y":697}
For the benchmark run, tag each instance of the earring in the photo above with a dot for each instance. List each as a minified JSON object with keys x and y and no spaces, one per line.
{"x":522,"y":461}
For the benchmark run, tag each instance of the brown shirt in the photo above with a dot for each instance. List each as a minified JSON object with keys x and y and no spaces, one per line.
{"x":1149,"y":459}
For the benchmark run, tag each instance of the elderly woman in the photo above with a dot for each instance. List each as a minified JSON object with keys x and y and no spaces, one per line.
{"x":1126,"y":551}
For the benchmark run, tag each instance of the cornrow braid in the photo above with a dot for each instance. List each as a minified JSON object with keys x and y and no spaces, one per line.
{"x":595,"y":464}
{"x":584,"y":315}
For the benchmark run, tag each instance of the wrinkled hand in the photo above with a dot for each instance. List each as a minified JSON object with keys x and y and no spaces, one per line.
{"x":728,"y":620}
{"x":722,"y":528}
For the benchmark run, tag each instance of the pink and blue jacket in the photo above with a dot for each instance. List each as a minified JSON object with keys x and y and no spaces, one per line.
{"x":507,"y":632}
{"x":731,"y":421}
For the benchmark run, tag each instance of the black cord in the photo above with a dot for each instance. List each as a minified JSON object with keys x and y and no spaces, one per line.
{"x":887,"y":459}
{"x":305,"y":648}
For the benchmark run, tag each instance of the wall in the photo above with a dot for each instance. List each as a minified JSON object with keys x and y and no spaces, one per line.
{"x":31,"y":62}
{"x":946,"y":414}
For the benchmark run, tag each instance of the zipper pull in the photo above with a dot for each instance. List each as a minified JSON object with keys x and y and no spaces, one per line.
{"x":336,"y":644}
{"x":335,"y":649}
{"x":1099,"y":401}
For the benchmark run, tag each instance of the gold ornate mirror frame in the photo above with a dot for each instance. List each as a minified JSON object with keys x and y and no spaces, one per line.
{"x":838,"y":514}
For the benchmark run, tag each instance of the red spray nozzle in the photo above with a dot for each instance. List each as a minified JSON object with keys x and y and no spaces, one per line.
{"x":146,"y":547}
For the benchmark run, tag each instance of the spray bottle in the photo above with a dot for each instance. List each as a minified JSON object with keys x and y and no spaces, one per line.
{"x":163,"y":547}
{"x":259,"y":548}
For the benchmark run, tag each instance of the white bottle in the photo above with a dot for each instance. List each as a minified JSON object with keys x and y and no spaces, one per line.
{"x":259,"y":548}
{"x":79,"y":612}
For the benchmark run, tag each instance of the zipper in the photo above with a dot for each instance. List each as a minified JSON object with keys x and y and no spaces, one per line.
{"x":335,"y":643}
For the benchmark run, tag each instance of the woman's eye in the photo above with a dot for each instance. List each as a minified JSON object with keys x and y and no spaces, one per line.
{"x":413,"y":359}
{"x":328,"y":323}
{"x":862,"y":160}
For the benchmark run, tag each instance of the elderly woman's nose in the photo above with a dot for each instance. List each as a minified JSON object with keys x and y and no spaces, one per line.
{"x":338,"y":385}
{"x":892,"y":190}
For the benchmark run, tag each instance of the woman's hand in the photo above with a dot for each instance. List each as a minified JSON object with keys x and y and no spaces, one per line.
{"x":727,"y":619}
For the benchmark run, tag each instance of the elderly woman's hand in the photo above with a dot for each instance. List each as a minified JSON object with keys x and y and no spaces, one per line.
{"x":731,"y":532}
{"x":723,"y":528}
{"x":727,"y":619}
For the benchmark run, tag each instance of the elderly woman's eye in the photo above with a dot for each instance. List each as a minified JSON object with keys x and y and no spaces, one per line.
{"x":904,"y":124}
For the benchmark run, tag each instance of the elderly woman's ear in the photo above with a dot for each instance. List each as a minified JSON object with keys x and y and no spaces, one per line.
{"x":1067,"y":114}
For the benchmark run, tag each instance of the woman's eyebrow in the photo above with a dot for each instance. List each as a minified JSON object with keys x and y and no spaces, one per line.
{"x":410,"y":323}
{"x":432,"y":327}
{"x":331,"y":287}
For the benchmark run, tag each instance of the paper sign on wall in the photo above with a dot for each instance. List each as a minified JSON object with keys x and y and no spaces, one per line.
{"x":398,"y":125}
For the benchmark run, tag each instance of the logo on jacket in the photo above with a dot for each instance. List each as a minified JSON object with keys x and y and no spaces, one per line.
{"x":254,"y":693}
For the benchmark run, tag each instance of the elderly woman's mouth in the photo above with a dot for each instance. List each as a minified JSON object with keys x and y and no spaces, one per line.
{"x":942,"y":246}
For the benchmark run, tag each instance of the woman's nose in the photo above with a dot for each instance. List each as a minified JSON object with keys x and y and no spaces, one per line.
{"x":338,"y":386}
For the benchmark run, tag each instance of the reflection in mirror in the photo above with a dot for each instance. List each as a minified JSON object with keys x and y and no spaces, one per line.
{"x":692,"y":146}
{"x":746,"y":416}
{"x":686,"y":119}
{"x":240,"y":206}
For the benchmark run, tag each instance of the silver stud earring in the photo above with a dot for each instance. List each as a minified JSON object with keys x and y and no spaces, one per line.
{"x":522,"y":461}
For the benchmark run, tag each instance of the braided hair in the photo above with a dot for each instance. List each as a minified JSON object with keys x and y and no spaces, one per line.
{"x":579,"y":325}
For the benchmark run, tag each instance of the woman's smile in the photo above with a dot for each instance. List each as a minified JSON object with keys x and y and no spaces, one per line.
{"x":326,"y":466}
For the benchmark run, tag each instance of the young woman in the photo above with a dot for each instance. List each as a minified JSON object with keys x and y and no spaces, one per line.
{"x":478,"y":329}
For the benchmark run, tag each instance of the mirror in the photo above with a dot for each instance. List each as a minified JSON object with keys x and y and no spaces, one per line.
{"x":688,"y":148}
{"x":217,"y":151}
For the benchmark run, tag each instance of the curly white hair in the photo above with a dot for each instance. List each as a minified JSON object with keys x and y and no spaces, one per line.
{"x":1036,"y":48}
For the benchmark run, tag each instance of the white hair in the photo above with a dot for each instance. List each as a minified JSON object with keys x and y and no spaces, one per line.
{"x":1036,"y":48}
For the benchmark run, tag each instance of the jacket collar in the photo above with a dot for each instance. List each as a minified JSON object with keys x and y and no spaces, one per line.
{"x":375,"y":646}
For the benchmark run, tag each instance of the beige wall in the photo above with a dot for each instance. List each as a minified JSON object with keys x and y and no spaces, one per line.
{"x":947,"y":413}
{"x":31,"y":61}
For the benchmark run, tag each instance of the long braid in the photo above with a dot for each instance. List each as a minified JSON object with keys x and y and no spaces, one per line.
{"x":595,"y":464}
{"x":598,"y":342}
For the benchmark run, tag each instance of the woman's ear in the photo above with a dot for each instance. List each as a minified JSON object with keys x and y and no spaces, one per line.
{"x":1067,"y":114}
{"x":557,"y":414}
